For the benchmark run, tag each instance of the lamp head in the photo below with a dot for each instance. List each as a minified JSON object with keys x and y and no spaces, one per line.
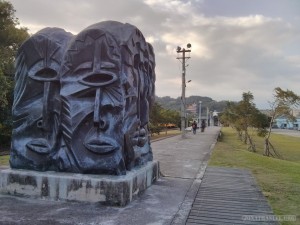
{"x":188,"y":45}
{"x":178,"y":49}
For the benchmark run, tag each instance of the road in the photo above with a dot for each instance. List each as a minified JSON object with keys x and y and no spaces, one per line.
{"x":294,"y":133}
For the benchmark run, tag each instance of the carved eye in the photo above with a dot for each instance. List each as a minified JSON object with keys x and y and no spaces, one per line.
{"x":99,"y":79}
{"x":45,"y":74}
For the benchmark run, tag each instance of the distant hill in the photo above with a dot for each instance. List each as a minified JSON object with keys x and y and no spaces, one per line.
{"x":175,"y":103}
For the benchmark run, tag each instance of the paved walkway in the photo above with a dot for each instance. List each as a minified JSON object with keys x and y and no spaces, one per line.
{"x":229,"y":196}
{"x":168,"y":201}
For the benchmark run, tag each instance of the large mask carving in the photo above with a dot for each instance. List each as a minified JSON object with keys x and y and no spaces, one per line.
{"x":36,"y":107}
{"x":99,"y":103}
{"x":93,"y":103}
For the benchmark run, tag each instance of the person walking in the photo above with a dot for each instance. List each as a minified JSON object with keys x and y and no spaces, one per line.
{"x":194,"y":127}
{"x":203,"y":125}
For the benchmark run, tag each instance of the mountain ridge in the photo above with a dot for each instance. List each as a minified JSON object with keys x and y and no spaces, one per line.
{"x":168,"y":102}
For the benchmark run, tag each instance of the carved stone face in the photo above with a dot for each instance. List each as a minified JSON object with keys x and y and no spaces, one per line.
{"x":36,"y":109}
{"x":139,"y":76}
{"x":93,"y":103}
{"x":82,"y":105}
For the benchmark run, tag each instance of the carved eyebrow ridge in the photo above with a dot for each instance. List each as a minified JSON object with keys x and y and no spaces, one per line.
{"x":88,"y":65}
{"x":85,"y":65}
{"x":107,"y":65}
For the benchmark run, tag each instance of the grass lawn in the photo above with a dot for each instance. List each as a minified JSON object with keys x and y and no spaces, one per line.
{"x":164,"y":133}
{"x":279,"y":179}
{"x":4,"y":160}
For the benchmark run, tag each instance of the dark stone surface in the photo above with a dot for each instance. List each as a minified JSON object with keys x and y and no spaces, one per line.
{"x":81,"y":103}
{"x":25,"y":180}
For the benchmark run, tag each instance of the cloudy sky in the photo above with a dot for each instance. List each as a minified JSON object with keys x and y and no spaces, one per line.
{"x":237,"y":45}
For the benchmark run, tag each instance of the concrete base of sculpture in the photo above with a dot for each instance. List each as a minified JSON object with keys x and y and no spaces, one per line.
{"x":105,"y":189}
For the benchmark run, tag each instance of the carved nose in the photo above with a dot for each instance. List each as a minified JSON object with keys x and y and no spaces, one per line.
{"x":43,"y":122}
{"x":98,"y":121}
{"x":102,"y":125}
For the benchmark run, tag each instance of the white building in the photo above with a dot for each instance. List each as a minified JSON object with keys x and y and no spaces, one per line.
{"x":284,"y":123}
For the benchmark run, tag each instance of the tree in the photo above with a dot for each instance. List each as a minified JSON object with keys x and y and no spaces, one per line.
{"x":160,"y":116}
{"x":282,"y":105}
{"x":169,"y":117}
{"x":155,"y":118}
{"x":228,"y":116}
{"x":244,"y":115}
{"x":3,"y":94}
{"x":11,"y":37}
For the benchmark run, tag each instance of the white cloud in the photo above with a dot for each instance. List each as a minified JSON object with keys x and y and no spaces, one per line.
{"x":231,"y":53}
{"x":171,"y":6}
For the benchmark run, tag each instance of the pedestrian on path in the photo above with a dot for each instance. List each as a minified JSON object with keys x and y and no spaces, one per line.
{"x":203,"y":125}
{"x":194,"y":126}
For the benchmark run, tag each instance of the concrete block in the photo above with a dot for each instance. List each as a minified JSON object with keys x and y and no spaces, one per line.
{"x":105,"y":189}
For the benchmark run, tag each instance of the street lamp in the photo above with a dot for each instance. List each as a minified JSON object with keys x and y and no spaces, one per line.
{"x":183,"y":51}
{"x":188,"y":81}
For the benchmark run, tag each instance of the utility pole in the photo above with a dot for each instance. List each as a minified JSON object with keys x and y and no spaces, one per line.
{"x":207,"y":111}
{"x":200,"y":110}
{"x":183,"y":114}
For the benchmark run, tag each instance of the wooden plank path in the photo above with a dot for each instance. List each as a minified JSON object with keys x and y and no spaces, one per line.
{"x":229,"y":196}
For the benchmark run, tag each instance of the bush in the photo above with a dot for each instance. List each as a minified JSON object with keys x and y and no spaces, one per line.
{"x":155,"y":129}
{"x":4,"y":142}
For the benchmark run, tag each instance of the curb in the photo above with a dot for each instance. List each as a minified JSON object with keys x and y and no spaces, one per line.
{"x":183,"y":212}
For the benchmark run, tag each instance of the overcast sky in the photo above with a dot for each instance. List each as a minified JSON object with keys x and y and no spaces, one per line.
{"x":237,"y":45}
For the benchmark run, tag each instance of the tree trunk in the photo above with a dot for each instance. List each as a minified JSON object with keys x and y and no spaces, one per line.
{"x":240,"y":135}
{"x":267,"y":142}
{"x":246,"y":137}
{"x":251,"y":145}
{"x":267,"y":147}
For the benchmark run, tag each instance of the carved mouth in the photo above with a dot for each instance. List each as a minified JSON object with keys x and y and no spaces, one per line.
{"x":40,"y":146}
{"x":100,"y":146}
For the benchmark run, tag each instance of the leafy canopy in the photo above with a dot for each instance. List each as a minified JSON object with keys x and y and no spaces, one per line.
{"x":11,"y":37}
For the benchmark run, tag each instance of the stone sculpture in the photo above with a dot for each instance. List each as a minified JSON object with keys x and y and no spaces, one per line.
{"x":36,"y":106}
{"x":82,"y":103}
